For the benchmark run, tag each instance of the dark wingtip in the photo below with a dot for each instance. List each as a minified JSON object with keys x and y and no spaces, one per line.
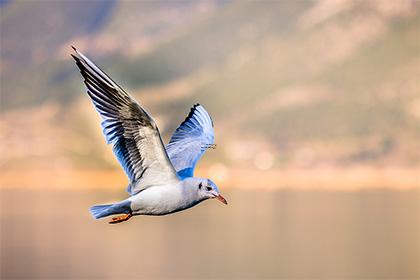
{"x":191,"y":113}
{"x":76,"y":54}
{"x":74,"y":57}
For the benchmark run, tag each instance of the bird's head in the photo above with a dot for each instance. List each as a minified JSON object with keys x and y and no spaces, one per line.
{"x":206,"y":189}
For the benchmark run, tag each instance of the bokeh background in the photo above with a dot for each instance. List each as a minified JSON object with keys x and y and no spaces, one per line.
{"x":316,"y":106}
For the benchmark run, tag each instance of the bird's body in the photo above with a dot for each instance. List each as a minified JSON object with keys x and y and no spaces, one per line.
{"x":164,"y":200}
{"x":161,"y":178}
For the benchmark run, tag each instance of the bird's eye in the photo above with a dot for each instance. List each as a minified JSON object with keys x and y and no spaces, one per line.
{"x":208,"y":188}
{"x":200,"y":185}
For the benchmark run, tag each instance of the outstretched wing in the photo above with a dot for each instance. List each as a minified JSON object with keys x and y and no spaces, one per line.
{"x":135,"y":137}
{"x":190,"y":140}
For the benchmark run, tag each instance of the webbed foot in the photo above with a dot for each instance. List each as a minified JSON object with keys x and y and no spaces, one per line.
{"x":120,"y":218}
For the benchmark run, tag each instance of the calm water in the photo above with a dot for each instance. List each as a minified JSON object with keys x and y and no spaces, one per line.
{"x":287,"y":234}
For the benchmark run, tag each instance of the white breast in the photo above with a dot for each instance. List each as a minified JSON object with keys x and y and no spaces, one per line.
{"x":161,"y":200}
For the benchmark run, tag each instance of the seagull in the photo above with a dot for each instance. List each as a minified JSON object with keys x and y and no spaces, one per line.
{"x":161,"y":178}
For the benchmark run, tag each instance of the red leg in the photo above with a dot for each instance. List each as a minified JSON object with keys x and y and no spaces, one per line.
{"x":121,"y":218}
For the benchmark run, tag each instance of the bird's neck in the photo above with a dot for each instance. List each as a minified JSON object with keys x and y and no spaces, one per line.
{"x":190,"y":192}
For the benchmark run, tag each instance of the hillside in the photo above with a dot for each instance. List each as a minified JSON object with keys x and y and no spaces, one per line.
{"x":288,"y":83}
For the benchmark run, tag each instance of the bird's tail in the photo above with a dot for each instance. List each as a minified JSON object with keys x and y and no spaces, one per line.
{"x":100,"y":211}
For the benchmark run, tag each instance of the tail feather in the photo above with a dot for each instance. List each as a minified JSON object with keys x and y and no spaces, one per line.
{"x":100,"y":211}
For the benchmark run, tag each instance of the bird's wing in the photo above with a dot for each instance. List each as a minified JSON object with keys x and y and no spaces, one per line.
{"x":136,"y":140}
{"x":190,"y":140}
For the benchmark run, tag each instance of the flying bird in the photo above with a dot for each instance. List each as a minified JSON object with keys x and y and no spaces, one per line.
{"x":161,"y":178}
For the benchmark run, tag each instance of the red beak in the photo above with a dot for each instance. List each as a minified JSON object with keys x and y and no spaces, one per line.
{"x":221,"y":199}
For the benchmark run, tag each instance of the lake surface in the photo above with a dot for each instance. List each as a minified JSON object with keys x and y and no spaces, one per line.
{"x":260,"y":234}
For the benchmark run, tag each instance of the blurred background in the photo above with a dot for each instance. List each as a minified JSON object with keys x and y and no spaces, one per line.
{"x":316,"y":106}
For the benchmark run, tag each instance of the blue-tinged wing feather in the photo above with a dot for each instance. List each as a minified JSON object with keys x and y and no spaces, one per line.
{"x":190,"y":140}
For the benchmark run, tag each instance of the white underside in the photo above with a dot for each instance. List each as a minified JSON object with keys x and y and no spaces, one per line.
{"x":161,"y":200}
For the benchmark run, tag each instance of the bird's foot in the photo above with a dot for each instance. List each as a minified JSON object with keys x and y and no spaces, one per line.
{"x":121,"y":218}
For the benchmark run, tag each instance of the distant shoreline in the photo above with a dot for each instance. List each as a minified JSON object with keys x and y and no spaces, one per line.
{"x":320,"y":178}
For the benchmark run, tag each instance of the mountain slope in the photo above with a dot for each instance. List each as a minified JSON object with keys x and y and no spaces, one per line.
{"x":308,"y":82}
